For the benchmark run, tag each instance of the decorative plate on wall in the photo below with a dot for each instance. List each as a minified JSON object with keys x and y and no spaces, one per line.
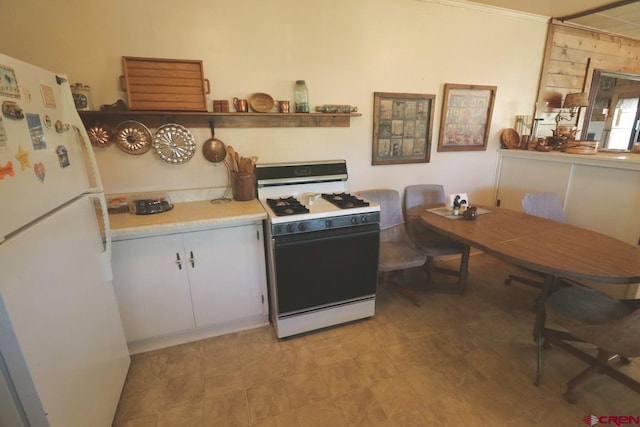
{"x":174,"y":143}
{"x":100,"y":135}
{"x":133,"y":137}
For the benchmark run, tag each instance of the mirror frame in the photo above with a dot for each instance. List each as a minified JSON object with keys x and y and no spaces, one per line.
{"x":596,"y":76}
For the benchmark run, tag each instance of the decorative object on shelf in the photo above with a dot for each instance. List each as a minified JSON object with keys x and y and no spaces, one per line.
{"x":510,"y":139}
{"x":301,"y":96}
{"x":541,"y":109}
{"x":402,"y":125}
{"x":283,"y":106}
{"x":573,"y":102}
{"x":261,"y":102}
{"x":544,"y":145}
{"x":215,"y":151}
{"x":561,"y":136}
{"x":100,"y":135}
{"x":220,"y":106}
{"x":240,"y":105}
{"x":174,"y":143}
{"x":82,"y":97}
{"x":133,"y":137}
{"x":119,"y":105}
{"x":523,"y":124}
{"x":466,"y":117}
{"x":582,"y":147}
{"x":152,"y":84}
{"x":334,"y":108}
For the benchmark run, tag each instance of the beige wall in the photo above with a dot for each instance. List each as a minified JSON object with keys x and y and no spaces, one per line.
{"x":344,"y":49}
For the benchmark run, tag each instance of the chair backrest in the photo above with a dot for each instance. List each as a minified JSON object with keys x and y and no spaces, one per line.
{"x":390,"y":207}
{"x":417,"y":196}
{"x":543,"y":204}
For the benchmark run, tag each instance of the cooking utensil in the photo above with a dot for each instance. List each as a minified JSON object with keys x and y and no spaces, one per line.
{"x":233,"y":162}
{"x":213,"y":149}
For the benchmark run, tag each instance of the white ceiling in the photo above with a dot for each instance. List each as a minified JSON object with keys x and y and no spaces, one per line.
{"x":623,"y":20}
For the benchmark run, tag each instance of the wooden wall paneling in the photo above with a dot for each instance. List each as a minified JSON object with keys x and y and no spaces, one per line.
{"x":571,"y":55}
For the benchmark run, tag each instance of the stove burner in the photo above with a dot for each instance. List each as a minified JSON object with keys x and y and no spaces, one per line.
{"x":287,"y":206}
{"x":344,"y":200}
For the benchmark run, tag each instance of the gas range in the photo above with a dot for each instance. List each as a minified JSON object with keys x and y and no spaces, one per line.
{"x":321,"y":245}
{"x":304,"y":197}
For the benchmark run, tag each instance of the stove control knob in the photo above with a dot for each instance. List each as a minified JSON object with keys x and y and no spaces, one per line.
{"x":291,"y":228}
{"x":354,"y":220}
{"x":328,"y":223}
{"x":364,"y":219}
{"x":302,"y":226}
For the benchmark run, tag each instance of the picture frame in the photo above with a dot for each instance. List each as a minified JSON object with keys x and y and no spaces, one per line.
{"x":466,"y":117}
{"x":402,"y":128}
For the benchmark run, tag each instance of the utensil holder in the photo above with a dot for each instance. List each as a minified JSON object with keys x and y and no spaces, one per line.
{"x":242,"y":186}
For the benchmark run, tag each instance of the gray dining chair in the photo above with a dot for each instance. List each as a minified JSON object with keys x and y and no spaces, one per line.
{"x":589,"y":316}
{"x":431,"y":243}
{"x":397,"y":251}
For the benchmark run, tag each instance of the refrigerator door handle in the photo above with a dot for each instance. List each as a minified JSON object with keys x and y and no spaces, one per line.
{"x":102,"y":216}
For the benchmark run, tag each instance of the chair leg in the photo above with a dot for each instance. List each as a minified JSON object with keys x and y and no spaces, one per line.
{"x":413,"y":296}
{"x":464,"y":269}
{"x":539,"y":347}
{"x":524,"y":280}
{"x":428,"y":267}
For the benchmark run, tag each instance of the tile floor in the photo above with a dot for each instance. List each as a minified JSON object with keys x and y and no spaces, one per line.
{"x":453,"y":361}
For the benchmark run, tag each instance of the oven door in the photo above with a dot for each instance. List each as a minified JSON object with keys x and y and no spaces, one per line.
{"x":324,"y":268}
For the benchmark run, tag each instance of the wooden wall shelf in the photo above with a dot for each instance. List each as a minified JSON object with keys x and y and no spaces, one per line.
{"x":154,"y":119}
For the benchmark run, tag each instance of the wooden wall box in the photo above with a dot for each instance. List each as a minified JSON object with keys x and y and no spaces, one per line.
{"x":164,"y":84}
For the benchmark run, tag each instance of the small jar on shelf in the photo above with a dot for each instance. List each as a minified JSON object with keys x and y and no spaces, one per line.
{"x":301,"y":97}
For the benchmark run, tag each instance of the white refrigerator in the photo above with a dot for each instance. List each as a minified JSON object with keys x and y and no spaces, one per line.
{"x":63,"y":353}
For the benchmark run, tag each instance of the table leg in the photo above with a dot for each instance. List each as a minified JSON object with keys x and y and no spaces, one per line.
{"x":464,"y":269}
{"x":549,"y":281}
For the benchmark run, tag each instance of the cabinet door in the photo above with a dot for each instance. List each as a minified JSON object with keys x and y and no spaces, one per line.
{"x":228,"y":276}
{"x":151,"y":288}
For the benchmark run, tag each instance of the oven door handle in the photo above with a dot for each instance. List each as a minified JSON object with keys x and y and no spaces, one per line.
{"x":316,"y":236}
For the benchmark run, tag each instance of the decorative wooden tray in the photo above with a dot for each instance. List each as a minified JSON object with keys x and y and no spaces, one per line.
{"x":164,"y":84}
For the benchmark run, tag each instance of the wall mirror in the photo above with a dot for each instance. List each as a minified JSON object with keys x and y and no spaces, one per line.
{"x":613,"y":114}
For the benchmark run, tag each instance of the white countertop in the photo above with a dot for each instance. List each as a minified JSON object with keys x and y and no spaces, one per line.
{"x":184,"y":217}
{"x":619,"y":160}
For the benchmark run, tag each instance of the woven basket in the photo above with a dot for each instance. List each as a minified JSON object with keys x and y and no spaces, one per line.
{"x":261,"y":102}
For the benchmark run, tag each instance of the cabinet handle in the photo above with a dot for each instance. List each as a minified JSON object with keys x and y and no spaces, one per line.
{"x":192,"y":260}
{"x":178,"y":261}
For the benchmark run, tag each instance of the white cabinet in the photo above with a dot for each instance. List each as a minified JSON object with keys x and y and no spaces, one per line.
{"x":174,"y":284}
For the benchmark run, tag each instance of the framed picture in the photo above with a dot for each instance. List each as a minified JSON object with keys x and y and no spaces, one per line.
{"x":401,"y":128}
{"x":466,"y":117}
